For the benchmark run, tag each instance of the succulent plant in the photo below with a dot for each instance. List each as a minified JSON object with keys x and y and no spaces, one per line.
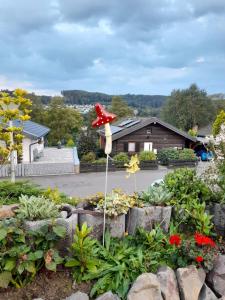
{"x":156,"y":195}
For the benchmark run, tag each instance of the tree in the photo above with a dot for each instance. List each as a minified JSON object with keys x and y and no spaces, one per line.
{"x":187,"y":108}
{"x":220,"y":119}
{"x":120,"y":107}
{"x":38,"y":113}
{"x":63,"y":121}
{"x":13,"y":106}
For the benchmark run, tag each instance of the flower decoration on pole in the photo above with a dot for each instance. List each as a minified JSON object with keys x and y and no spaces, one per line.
{"x":105,"y":118}
{"x":133,"y":168}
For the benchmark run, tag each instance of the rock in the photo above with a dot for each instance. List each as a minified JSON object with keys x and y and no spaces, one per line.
{"x":218,"y":212}
{"x":116,"y":225}
{"x":69,"y":224}
{"x":108,"y":296}
{"x":7,"y":211}
{"x":207,"y":294}
{"x":216,"y":276}
{"x":190,"y":281}
{"x":147,"y":217}
{"x":145,"y":287}
{"x":168,"y":283}
{"x":63,"y":214}
{"x":37,"y":299}
{"x":78,"y":296}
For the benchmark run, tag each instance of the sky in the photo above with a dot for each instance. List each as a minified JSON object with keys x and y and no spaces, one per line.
{"x":112,"y":46}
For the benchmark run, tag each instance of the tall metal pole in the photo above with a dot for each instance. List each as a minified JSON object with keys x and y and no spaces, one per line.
{"x":12,"y":156}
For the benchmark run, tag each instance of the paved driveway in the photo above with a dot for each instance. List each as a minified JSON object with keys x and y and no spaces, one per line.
{"x":90,"y":183}
{"x":87,"y":184}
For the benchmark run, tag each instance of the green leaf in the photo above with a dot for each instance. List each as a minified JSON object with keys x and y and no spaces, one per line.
{"x":59,"y":230}
{"x":20,"y":268}
{"x":72,"y":263}
{"x":5,"y":278}
{"x":3,"y":233}
{"x":10,"y":264}
{"x":30,"y":267}
{"x":51,"y":266}
{"x":35,"y":255}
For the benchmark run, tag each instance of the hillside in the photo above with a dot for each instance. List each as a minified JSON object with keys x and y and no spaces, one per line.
{"x":84,"y":97}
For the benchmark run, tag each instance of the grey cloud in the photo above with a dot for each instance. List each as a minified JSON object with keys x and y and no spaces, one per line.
{"x":114,"y":46}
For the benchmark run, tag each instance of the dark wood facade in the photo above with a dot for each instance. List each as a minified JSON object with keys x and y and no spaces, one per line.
{"x":155,"y":133}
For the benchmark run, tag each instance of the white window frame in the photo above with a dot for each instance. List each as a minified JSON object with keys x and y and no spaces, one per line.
{"x":131,"y":146}
{"x":148,"y":146}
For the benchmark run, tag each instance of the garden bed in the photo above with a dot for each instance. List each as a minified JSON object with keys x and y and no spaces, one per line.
{"x":93,"y":167}
{"x":149,"y":165}
{"x":181,"y":163}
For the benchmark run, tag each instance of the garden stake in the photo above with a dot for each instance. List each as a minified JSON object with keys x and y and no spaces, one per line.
{"x":104,"y":118}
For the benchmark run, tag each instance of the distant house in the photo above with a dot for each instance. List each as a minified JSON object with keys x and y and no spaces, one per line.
{"x":33,"y":141}
{"x":149,"y":134}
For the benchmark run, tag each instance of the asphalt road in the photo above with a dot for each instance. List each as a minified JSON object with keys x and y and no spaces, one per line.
{"x":87,"y":184}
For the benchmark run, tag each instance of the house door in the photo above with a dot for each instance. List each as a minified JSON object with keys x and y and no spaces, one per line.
{"x":147,"y":146}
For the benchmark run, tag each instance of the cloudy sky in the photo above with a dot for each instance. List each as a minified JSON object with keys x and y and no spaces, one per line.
{"x":113,"y":46}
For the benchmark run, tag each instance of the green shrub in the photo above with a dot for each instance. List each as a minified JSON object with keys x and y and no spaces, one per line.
{"x":121,"y":159}
{"x":23,"y":254}
{"x":182,"y":182}
{"x":167,"y":154}
{"x":89,"y":157}
{"x":147,"y":155}
{"x":70,"y":143}
{"x":187,"y":154}
{"x":10,"y":192}
{"x":36,"y":208}
{"x":189,"y":195}
{"x":156,"y":195}
{"x":100,"y":161}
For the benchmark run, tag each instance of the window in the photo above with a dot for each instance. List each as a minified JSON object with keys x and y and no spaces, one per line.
{"x":131,"y":147}
{"x":147,"y":146}
{"x":149,"y":131}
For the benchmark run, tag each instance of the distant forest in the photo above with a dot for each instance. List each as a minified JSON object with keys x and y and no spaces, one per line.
{"x":138,"y":101}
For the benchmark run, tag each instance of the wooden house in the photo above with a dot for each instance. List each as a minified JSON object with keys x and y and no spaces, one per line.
{"x":149,"y":134}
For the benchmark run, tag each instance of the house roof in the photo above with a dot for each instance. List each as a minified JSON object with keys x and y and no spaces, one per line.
{"x":31,"y":128}
{"x":128,"y":126}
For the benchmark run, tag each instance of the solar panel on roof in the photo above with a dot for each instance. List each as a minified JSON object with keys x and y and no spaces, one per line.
{"x":132,"y":124}
{"x":125,"y":122}
{"x":115,"y":129}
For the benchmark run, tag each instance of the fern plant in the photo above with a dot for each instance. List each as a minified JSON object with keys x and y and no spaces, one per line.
{"x":36,"y":208}
{"x":156,"y":195}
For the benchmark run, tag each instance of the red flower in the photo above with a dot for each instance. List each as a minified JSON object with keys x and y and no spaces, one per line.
{"x":175,"y":239}
{"x":204,"y":240}
{"x":199,"y":259}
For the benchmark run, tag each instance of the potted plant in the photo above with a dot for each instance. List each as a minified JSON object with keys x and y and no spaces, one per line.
{"x":37,"y":211}
{"x":151,"y":209}
{"x":148,"y":160}
{"x":117,"y":206}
